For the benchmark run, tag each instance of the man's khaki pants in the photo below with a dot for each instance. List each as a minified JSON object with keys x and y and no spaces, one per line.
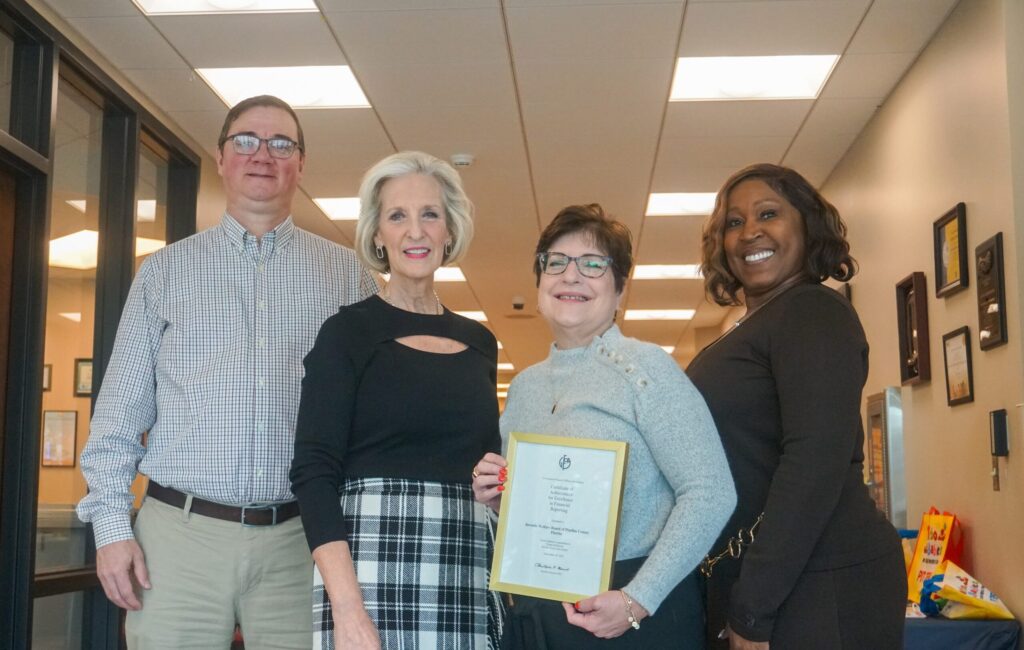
{"x":208,"y":574}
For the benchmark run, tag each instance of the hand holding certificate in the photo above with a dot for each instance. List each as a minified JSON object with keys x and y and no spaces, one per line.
{"x":559,"y":516}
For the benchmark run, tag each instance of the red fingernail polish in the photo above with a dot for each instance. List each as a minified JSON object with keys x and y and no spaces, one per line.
{"x":577,"y":605}
{"x":501,"y":488}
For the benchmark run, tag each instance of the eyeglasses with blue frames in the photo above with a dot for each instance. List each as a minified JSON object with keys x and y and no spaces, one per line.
{"x":589,"y":265}
{"x":278,"y":146}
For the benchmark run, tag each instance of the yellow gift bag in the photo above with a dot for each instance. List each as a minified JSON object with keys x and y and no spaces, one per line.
{"x":939,"y":539}
{"x":954,"y":593}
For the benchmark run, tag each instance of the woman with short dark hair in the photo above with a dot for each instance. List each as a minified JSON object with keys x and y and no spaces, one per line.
{"x":818,"y":565}
{"x":597,"y":383}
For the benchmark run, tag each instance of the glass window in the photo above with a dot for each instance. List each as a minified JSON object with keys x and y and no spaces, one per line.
{"x":6,"y":74}
{"x":57,"y":622}
{"x":70,"y":307}
{"x":150,"y":200}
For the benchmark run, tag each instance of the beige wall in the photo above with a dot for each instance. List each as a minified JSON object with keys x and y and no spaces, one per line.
{"x":943,"y":136}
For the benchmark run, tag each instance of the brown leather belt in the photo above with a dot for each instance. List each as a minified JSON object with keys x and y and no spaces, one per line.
{"x":254,"y":515}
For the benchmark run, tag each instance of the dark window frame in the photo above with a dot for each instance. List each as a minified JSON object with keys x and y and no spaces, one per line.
{"x":44,"y":58}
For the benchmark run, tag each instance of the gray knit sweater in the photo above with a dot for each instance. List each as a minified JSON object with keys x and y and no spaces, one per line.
{"x":679,"y":492}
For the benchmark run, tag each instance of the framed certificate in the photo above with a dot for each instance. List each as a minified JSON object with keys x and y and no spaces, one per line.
{"x":559,"y":516}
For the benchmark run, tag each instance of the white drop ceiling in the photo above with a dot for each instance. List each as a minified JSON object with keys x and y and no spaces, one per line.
{"x":560,"y":102}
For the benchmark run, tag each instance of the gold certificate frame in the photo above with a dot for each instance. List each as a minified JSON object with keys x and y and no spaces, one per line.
{"x":559,"y":519}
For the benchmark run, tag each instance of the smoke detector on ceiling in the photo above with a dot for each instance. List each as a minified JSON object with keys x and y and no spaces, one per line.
{"x":462,"y":159}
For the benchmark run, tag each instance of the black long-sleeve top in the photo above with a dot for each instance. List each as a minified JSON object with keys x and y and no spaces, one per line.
{"x":784,"y":389}
{"x":373,"y":407}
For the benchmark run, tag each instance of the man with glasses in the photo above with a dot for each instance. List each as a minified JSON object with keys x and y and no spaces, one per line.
{"x":208,"y":361}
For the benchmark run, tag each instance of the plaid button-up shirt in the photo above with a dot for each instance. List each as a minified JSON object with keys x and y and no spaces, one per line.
{"x":208,"y":360}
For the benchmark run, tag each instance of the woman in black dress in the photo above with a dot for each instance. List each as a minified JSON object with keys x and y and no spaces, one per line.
{"x":825,"y":569}
{"x":398,"y":400}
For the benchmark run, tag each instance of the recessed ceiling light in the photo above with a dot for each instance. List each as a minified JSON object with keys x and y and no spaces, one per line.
{"x":158,"y":7}
{"x":503,"y":385}
{"x":659,"y":314}
{"x":78,"y":204}
{"x":502,"y":393}
{"x":344,"y":208}
{"x":78,"y":250}
{"x":311,"y":86}
{"x":506,"y":366}
{"x":751,"y":77}
{"x":667,"y":272}
{"x":669,"y":348}
{"x":670,"y":204}
{"x":477,"y":316}
{"x":75,"y":316}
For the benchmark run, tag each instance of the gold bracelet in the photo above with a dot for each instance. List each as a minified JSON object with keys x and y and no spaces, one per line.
{"x":633,"y":622}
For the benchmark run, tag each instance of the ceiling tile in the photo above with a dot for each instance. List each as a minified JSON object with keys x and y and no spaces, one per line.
{"x":594,"y":32}
{"x":735,"y":119}
{"x":129,"y":42}
{"x":670,"y":240}
{"x":757,"y":28}
{"x":419,"y":37}
{"x":176,"y":89}
{"x":594,"y":84}
{"x":329,"y":6}
{"x":213,"y":41}
{"x":867,"y":75}
{"x":203,"y":126}
{"x":681,"y":161}
{"x":93,"y":8}
{"x":437,"y":86}
{"x":815,"y":156}
{"x":900,"y":25}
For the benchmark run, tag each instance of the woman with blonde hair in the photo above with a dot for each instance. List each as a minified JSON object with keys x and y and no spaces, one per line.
{"x":398,"y":399}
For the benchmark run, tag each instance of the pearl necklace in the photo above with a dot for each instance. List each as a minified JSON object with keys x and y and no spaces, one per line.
{"x":438,"y":309}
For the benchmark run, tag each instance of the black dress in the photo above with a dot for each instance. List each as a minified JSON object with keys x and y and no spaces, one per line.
{"x":386,"y":440}
{"x":826,"y":569}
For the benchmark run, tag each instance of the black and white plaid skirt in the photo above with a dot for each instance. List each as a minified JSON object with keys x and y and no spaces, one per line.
{"x":422,"y":553}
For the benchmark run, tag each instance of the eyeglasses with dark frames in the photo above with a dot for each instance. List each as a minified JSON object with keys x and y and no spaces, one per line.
{"x":589,"y":265}
{"x":278,"y":146}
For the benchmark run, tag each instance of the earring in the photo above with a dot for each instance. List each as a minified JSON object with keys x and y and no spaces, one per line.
{"x":448,"y":248}
{"x":380,"y":253}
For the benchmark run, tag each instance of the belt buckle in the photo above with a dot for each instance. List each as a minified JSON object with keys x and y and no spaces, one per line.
{"x":273,"y":518}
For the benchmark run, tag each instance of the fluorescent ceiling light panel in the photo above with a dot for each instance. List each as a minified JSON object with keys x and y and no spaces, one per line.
{"x":659,"y":314}
{"x":78,"y":204}
{"x":311,"y":86}
{"x":78,"y":250}
{"x":730,"y":78}
{"x":444,"y":274}
{"x":75,"y":316}
{"x":503,"y":385}
{"x":506,"y":366}
{"x":449,"y":274}
{"x":157,"y":7}
{"x":500,"y":346}
{"x":477,"y":316}
{"x":671,"y":204}
{"x":343,"y":208}
{"x":145,"y":210}
{"x":502,"y":393}
{"x":667,"y":272}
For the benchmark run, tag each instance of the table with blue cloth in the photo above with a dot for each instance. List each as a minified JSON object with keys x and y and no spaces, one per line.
{"x":944,"y":634}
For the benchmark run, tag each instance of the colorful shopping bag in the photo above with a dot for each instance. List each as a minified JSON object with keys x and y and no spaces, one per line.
{"x":940,"y":538}
{"x":954,"y":593}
